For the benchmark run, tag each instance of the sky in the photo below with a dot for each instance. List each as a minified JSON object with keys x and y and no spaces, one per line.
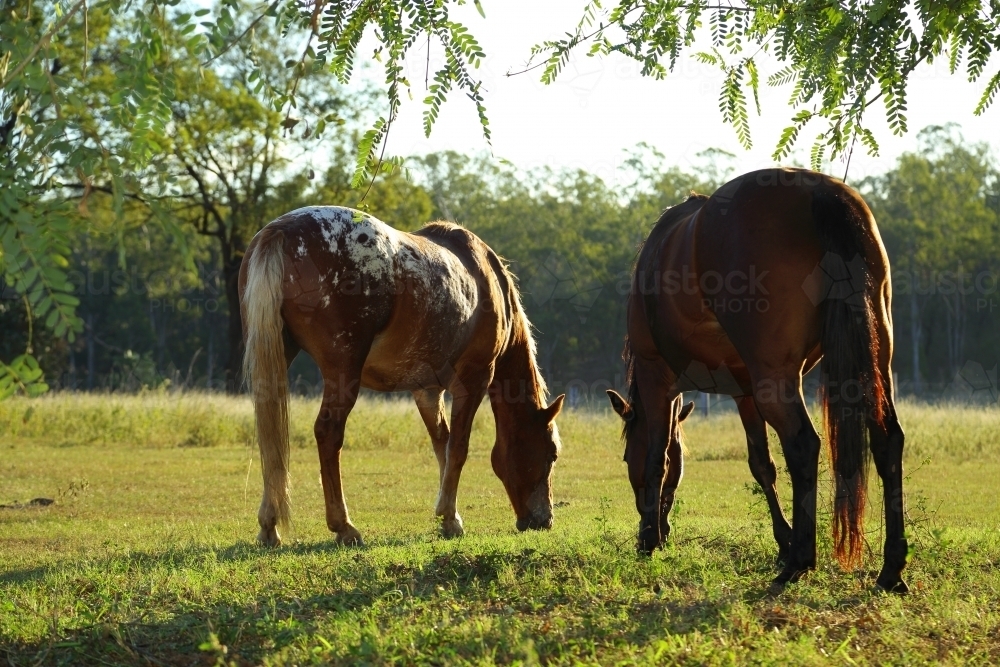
{"x":601,"y":107}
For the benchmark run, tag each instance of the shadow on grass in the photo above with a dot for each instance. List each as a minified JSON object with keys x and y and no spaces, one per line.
{"x":235,"y":553}
{"x":442,"y":603}
{"x":245,"y":636}
{"x":394,"y":612}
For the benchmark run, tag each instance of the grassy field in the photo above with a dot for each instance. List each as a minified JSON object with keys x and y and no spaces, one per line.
{"x":147,"y":555}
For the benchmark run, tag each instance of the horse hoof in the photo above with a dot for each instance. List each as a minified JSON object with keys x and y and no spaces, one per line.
{"x":891,"y":585}
{"x":269,"y":538}
{"x":452,"y":528}
{"x":350,"y":537}
{"x":790,"y":575}
{"x":776,"y":588}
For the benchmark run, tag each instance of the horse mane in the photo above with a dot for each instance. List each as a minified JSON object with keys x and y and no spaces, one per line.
{"x":440,"y":228}
{"x":670,"y":217}
{"x":520,"y":329}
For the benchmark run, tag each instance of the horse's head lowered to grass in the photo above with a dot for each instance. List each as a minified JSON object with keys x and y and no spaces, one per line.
{"x":654,"y":508}
{"x":820,"y":296}
{"x":524,"y":458}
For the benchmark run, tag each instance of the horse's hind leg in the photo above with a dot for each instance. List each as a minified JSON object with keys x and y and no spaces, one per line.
{"x":779,"y":399}
{"x":887,"y":450}
{"x":340,"y":393}
{"x":430,"y":404}
{"x":763,"y":471}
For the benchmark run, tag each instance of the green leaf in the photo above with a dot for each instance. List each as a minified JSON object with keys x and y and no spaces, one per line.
{"x":988,"y":94}
{"x":36,"y":389}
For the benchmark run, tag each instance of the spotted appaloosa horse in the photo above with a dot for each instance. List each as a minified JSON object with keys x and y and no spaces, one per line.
{"x":426,"y":312}
{"x":741,"y":293}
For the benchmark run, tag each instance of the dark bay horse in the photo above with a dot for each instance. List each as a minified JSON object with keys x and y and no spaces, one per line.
{"x":742,"y":293}
{"x":426,"y":312}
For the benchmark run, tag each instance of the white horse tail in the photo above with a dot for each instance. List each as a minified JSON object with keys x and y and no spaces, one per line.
{"x":266,"y":372}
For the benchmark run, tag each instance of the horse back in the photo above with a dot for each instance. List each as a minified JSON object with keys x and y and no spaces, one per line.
{"x":412,"y":309}
{"x":742,"y":276}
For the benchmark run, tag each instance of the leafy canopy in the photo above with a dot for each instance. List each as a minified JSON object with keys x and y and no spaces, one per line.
{"x":839,"y":57}
{"x":56,"y":147}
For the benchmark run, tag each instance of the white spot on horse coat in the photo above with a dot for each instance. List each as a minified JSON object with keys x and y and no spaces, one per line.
{"x":417,"y":273}
{"x":370,"y":244}
{"x":383,"y":254}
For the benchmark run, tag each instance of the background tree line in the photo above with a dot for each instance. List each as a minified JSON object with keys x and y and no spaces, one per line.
{"x":165,"y":315}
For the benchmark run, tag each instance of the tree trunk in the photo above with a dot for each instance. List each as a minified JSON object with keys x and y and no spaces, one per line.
{"x":90,"y":352}
{"x":916,"y":327}
{"x":211,"y":352}
{"x":916,"y":333}
{"x":955,"y":312}
{"x":234,"y":335}
{"x":161,"y":340}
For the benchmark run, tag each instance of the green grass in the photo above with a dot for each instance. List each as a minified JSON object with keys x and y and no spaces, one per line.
{"x":147,"y":555}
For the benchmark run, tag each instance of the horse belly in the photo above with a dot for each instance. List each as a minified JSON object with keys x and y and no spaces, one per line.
{"x":702,"y":354}
{"x":401,"y":361}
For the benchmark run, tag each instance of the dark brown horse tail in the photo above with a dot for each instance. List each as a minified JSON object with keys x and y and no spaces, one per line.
{"x":265,"y":370}
{"x":852,"y":384}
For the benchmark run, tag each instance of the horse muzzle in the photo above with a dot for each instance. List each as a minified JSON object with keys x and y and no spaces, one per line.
{"x":539,"y":508}
{"x":535,"y":522}
{"x":649,"y":539}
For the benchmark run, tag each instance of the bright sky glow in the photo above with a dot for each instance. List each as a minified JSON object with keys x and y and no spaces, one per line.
{"x":601,"y":107}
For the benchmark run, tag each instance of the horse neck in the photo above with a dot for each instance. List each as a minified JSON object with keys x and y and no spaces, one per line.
{"x":516,"y":389}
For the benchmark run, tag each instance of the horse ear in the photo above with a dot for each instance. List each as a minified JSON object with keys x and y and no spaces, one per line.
{"x":554,"y":409}
{"x":686,"y":411}
{"x":620,"y":405}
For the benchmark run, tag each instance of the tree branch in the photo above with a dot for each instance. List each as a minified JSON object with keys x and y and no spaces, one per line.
{"x":42,"y":42}
{"x":207,"y":204}
{"x":253,"y":24}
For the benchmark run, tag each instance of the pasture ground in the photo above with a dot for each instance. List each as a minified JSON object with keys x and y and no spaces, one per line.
{"x":147,"y":554}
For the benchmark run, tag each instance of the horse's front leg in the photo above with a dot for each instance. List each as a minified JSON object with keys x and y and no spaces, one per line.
{"x":430,"y":404}
{"x":466,"y":398}
{"x":763,"y":471}
{"x":675,"y":471}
